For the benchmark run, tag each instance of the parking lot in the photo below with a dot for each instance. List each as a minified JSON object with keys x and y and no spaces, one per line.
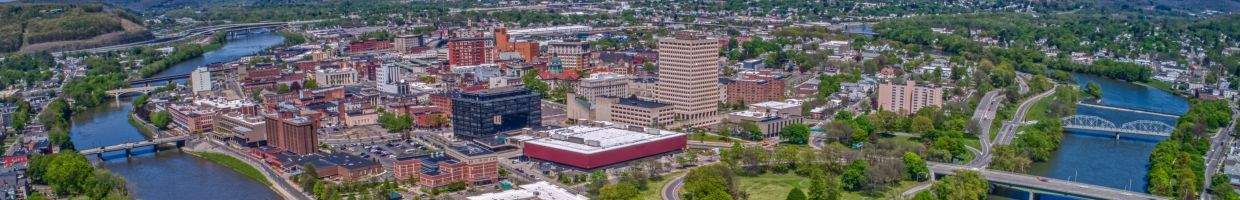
{"x":384,"y":151}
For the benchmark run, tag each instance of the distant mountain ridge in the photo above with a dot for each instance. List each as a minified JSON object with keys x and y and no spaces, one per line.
{"x":34,"y":27}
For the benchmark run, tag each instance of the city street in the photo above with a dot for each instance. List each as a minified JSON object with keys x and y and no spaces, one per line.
{"x":1218,"y":151}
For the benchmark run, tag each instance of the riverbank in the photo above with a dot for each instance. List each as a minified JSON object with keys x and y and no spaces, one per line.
{"x":143,"y":126}
{"x":283,"y":187}
{"x":234,"y":164}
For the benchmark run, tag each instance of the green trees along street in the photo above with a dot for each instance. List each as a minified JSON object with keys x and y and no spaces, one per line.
{"x":795,"y":133}
{"x":916,"y":167}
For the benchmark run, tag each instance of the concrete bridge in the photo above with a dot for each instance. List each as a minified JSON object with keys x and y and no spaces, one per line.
{"x":1127,"y":110}
{"x":1095,"y":123}
{"x":1041,"y":185}
{"x":116,"y":93}
{"x":161,"y":79}
{"x":128,"y":147}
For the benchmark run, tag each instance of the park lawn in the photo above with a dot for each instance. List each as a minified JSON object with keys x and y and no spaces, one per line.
{"x":656,"y":188}
{"x":236,"y":165}
{"x":775,"y":186}
{"x":771,"y":186}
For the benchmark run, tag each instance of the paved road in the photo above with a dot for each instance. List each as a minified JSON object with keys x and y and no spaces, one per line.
{"x":1008,"y":132}
{"x":671,"y":190}
{"x":983,"y":116}
{"x":1043,"y":183}
{"x":1218,"y":147}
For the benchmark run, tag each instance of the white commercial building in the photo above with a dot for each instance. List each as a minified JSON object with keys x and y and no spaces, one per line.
{"x":689,"y":77}
{"x":540,"y":190}
{"x":200,"y":79}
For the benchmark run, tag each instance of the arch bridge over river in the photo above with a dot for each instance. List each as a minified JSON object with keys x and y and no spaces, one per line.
{"x":1095,"y":123}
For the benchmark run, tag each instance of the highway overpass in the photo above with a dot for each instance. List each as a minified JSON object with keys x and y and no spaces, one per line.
{"x":1043,"y":185}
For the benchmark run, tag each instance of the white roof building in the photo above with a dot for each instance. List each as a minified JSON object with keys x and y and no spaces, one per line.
{"x":540,"y":190}
{"x":590,"y":140}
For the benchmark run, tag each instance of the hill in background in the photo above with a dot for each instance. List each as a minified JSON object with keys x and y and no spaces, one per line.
{"x":55,"y":27}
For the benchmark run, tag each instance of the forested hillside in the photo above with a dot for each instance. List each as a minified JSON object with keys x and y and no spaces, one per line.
{"x":42,"y":27}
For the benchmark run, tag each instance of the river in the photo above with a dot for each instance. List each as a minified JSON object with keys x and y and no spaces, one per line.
{"x":1100,"y":158}
{"x":233,"y":50}
{"x":170,"y":174}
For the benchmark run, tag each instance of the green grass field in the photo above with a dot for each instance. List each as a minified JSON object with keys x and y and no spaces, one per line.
{"x":234,"y":164}
{"x":773,"y":186}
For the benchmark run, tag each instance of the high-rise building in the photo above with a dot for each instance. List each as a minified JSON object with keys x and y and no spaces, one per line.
{"x":200,"y":79}
{"x":501,"y":40}
{"x":471,"y":51}
{"x":482,"y":114}
{"x":908,"y":98}
{"x":689,"y":77}
{"x":292,"y":132}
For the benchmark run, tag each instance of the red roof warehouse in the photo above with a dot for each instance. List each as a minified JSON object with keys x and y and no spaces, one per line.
{"x":591,"y":147}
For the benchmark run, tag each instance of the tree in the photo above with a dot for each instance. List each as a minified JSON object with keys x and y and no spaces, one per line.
{"x":795,"y":133}
{"x":916,"y":167}
{"x":709,"y":182}
{"x":751,"y":129}
{"x":161,"y":119}
{"x":854,"y":176}
{"x":1094,"y":90}
{"x":68,"y":173}
{"x":965,"y":185}
{"x":394,"y":122}
{"x":618,"y":191}
{"x":283,"y":88}
{"x":823,"y":187}
{"x":796,"y":194}
{"x":921,"y":124}
{"x":531,"y":81}
{"x":311,"y":84}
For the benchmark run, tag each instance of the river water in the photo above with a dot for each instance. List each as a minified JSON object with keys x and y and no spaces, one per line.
{"x":170,"y":174}
{"x":1100,"y":158}
{"x":233,"y":50}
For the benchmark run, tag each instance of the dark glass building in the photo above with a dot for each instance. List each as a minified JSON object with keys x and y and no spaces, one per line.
{"x":479,"y":115}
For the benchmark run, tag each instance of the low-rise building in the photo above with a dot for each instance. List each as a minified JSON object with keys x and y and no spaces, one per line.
{"x":771,"y":116}
{"x":592,"y":147}
{"x":469,"y":164}
{"x":328,"y":77}
{"x":629,"y":111}
{"x":241,"y":129}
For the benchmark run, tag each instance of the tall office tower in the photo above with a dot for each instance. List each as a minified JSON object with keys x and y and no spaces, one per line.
{"x":689,"y":78}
